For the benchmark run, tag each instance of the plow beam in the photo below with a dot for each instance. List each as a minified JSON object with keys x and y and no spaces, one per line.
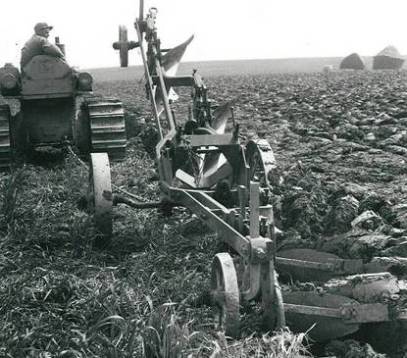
{"x":226,"y":232}
{"x":352,"y":313}
{"x":326,"y":316}
{"x":313,"y":265}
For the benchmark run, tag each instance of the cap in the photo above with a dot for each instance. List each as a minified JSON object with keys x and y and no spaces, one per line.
{"x":41,"y":26}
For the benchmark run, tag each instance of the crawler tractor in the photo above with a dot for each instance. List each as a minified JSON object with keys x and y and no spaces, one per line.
{"x":56,"y":107}
{"x":204,"y":166}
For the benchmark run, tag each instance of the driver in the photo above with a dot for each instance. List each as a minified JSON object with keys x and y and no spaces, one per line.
{"x":38,"y":44}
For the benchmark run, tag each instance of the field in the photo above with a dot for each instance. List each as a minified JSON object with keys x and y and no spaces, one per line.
{"x":230,"y":68}
{"x":233,"y":68}
{"x":341,"y":145}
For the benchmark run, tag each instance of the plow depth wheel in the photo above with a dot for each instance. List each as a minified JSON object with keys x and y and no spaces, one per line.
{"x":100,"y":197}
{"x":272,"y":299}
{"x":262,"y":162}
{"x":225,"y":294}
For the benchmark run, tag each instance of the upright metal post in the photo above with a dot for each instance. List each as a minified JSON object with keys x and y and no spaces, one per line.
{"x":141,"y":10}
{"x":254,"y":209}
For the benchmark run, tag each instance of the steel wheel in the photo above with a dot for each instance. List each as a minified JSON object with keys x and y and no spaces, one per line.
{"x":280,"y":321}
{"x":225,"y":294}
{"x":262,"y":163}
{"x":100,"y":198}
{"x":272,"y":299}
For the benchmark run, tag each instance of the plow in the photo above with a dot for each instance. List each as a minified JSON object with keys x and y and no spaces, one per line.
{"x":204,"y":166}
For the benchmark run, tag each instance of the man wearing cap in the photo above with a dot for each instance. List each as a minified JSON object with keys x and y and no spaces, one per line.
{"x":38,"y":44}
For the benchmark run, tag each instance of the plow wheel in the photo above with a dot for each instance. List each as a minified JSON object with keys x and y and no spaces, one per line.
{"x":272,"y":299}
{"x":262,"y":162}
{"x":107,"y":127}
{"x":5,"y":143}
{"x":100,"y":198}
{"x":225,"y":294}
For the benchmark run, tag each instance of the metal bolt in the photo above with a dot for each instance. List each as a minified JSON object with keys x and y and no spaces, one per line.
{"x":348,"y":312}
{"x":244,"y":250}
{"x":344,"y":312}
{"x":260,"y":253}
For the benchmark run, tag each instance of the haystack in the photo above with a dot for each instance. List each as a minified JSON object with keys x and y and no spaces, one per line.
{"x":352,"y":62}
{"x":388,"y":59}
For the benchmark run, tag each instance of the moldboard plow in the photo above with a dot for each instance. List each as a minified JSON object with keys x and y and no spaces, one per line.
{"x":204,"y":167}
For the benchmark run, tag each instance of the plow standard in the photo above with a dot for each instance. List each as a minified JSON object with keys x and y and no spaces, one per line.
{"x":204,"y":166}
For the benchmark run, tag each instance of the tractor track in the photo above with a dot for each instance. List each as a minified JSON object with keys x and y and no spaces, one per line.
{"x":108,"y":133}
{"x":5,"y":142}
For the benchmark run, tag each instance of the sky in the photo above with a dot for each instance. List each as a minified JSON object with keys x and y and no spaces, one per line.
{"x":223,"y":29}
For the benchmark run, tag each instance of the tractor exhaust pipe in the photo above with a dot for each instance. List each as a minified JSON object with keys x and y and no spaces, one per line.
{"x":61,"y":46}
{"x":141,"y":10}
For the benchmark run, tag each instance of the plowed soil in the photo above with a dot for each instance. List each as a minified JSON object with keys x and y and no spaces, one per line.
{"x":340,"y":140}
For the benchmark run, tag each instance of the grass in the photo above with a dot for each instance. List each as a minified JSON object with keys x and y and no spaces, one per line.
{"x":145,"y":297}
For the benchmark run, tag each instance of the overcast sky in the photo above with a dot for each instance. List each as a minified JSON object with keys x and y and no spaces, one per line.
{"x":223,"y":29}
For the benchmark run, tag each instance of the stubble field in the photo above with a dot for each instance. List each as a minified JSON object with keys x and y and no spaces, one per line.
{"x":341,"y":145}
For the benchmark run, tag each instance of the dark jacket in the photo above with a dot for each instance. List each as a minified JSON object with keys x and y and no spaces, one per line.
{"x":38,"y":45}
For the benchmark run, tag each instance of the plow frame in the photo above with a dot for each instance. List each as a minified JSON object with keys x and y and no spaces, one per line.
{"x":245,"y":223}
{"x":250,"y":235}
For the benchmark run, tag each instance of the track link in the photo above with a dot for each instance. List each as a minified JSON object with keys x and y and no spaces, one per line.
{"x":5,"y":144}
{"x":107,"y":127}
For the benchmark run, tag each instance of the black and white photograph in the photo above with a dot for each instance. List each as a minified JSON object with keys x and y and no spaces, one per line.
{"x":203,"y":179}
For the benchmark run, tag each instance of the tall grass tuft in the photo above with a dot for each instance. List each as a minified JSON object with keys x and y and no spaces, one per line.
{"x":283,"y":344}
{"x":165,"y":336}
